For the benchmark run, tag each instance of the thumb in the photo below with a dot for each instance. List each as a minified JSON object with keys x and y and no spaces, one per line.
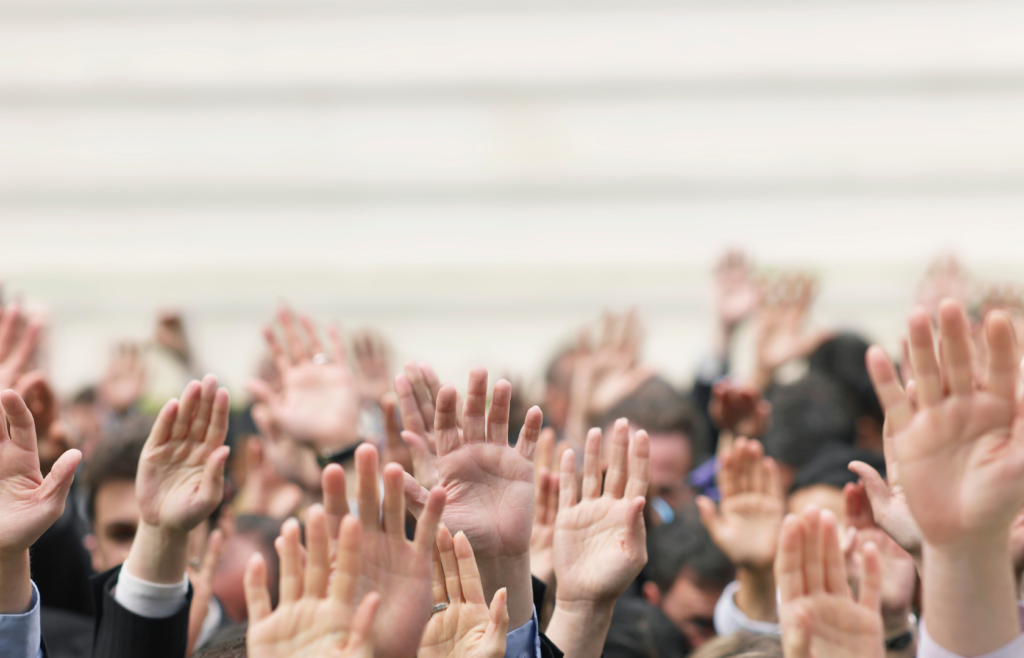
{"x":55,"y":487}
{"x":415,"y":495}
{"x":708,"y":514}
{"x":874,"y":485}
{"x":635,"y":529}
{"x":212,"y":487}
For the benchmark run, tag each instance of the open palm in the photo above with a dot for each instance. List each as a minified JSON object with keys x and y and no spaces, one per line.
{"x":961,"y":452}
{"x":314,"y":619}
{"x":180,"y":477}
{"x":600,"y":542}
{"x":816,"y":602}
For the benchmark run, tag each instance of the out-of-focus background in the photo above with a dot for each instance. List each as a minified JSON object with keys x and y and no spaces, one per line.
{"x":476,"y":179}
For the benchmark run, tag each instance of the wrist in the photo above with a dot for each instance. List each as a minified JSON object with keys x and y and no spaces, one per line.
{"x":15,"y":582}
{"x":584,"y":611}
{"x":756,"y":597}
{"x":513,"y":573}
{"x":158,"y":554}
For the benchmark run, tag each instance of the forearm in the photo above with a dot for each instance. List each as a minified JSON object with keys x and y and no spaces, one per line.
{"x":756,"y":596}
{"x":157,"y":555}
{"x":15,"y":583}
{"x":513,"y":573}
{"x":969,"y":599}
{"x":579,"y":628}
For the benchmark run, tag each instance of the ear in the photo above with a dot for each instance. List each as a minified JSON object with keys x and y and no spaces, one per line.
{"x":99,"y":565}
{"x":651,"y":593}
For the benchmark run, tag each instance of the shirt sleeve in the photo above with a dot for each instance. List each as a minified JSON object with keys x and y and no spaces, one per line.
{"x":730,"y":619}
{"x":147,"y":599}
{"x":929,"y":648}
{"x":21,"y":635}
{"x":524,"y":642}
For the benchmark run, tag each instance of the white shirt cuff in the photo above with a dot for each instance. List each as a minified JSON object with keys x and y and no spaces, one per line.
{"x":730,"y":619}
{"x":146,"y":599}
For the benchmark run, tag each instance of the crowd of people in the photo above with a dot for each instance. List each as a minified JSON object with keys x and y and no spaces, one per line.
{"x":835,"y":502}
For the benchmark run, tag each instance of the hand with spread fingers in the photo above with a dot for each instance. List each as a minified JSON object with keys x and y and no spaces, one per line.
{"x":466,"y":627}
{"x":29,"y":503}
{"x":489,"y":486}
{"x":180,"y":479}
{"x":373,"y":364}
{"x":820,"y":619}
{"x":125,"y":379}
{"x":202,"y":587}
{"x":600,"y":541}
{"x":781,"y":334}
{"x":545,"y":509}
{"x":747,"y":523}
{"x":739,"y":408}
{"x":19,"y":337}
{"x":318,"y":404}
{"x":317,"y":615}
{"x":961,"y":462}
{"x":394,"y":567}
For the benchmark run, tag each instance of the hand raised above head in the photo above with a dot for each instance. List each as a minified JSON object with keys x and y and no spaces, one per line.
{"x":318,"y":403}
{"x":317,"y":616}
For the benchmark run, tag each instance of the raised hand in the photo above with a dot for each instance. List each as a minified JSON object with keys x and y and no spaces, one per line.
{"x":316,"y":616}
{"x":899,"y":572}
{"x":781,"y":334}
{"x":545,"y":510}
{"x":373,"y":367}
{"x":201,"y":579}
{"x":600,"y":541}
{"x":489,"y":486}
{"x":739,"y":408}
{"x":467,"y":627}
{"x":29,"y":503}
{"x":961,"y":462}
{"x":180,"y":480}
{"x":735,"y":296}
{"x":18,"y":339}
{"x":747,"y":525}
{"x":125,"y":379}
{"x":319,"y":399}
{"x":417,"y":389}
{"x":392,"y":566}
{"x":819,"y":617}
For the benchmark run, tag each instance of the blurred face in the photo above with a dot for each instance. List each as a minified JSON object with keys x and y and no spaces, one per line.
{"x":691,"y":608}
{"x":114,"y":525}
{"x":228,"y":580}
{"x":671,"y":461}
{"x":821,"y":496}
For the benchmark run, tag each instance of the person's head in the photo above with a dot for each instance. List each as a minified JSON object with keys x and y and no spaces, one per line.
{"x":806,"y":415}
{"x":112,"y":507}
{"x":820,"y":481}
{"x":676,"y":436}
{"x":687,"y":574}
{"x":557,"y":385}
{"x":251,"y":534}
{"x":842,"y":359}
{"x":741,"y":645}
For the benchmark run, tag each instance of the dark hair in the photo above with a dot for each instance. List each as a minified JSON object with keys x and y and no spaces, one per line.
{"x":806,"y":415}
{"x":830,"y":466}
{"x":686,"y":544}
{"x":842,"y":359}
{"x":263,"y":531}
{"x":85,"y":395}
{"x":116,"y":458}
{"x":640,"y":630}
{"x":233,"y":648}
{"x":743,"y":644}
{"x":657,"y":407}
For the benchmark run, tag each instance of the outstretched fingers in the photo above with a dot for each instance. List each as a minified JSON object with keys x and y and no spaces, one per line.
{"x":789,"y":564}
{"x":317,"y":569}
{"x":347,"y":562}
{"x":922,"y":354}
{"x":367,"y":489}
{"x":446,"y":421}
{"x":394,"y":502}
{"x":290,"y":556}
{"x":531,"y":432}
{"x":592,"y":464}
{"x":22,"y":425}
{"x":257,"y":597}
{"x":567,"y":480}
{"x":469,"y":575}
{"x":497,"y":415}
{"x":639,"y":466}
{"x":956,"y":348}
{"x":1003,"y":371}
{"x":430,"y":518}
{"x":475,"y":424}
{"x":618,"y":457}
{"x":891,"y":395}
{"x":871,"y":578}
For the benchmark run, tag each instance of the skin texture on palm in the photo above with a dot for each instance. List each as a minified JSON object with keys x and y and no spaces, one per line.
{"x":489,"y":485}
{"x":29,"y":503}
{"x":397,"y":569}
{"x":180,"y":479}
{"x":600,"y":542}
{"x":819,"y":617}
{"x":319,"y":399}
{"x":746,"y":526}
{"x":316,"y":616}
{"x":961,"y":458}
{"x":467,"y":628}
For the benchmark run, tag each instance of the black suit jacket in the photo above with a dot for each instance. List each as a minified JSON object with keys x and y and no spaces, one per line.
{"x":547,"y":647}
{"x":120,"y":633}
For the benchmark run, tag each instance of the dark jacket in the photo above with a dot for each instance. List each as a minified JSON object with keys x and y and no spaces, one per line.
{"x":121,"y":633}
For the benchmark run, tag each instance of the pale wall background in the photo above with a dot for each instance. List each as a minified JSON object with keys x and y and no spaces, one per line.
{"x":478,"y":178}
